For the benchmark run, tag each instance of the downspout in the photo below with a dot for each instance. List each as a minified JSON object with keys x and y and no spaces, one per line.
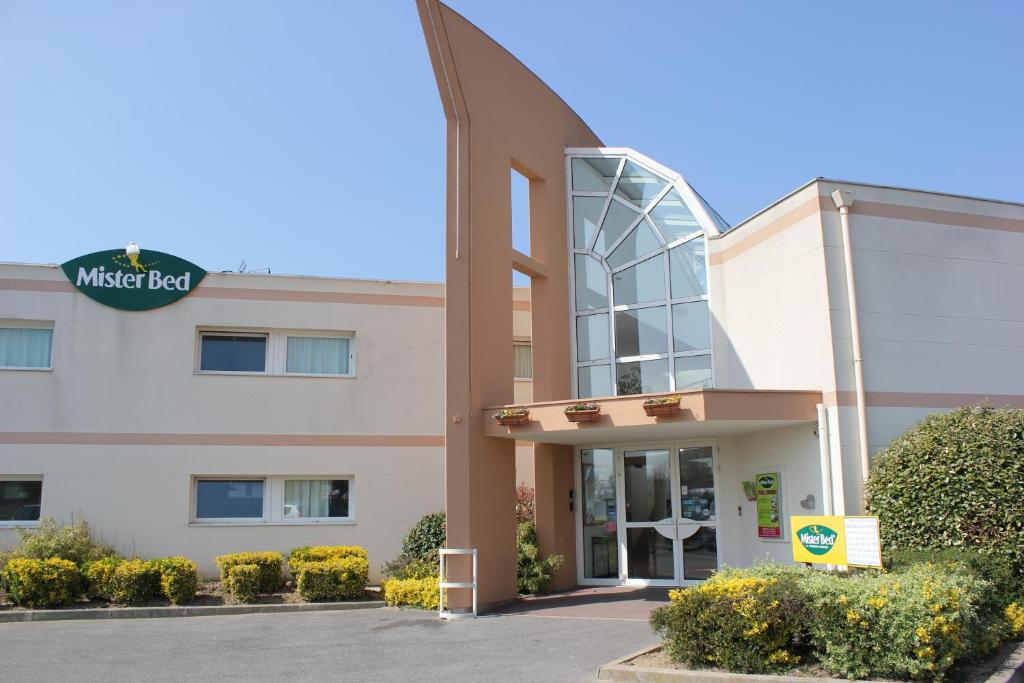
{"x":826,"y":461}
{"x":843,"y":200}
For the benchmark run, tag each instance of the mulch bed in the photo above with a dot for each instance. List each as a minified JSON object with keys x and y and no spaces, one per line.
{"x":209,"y":593}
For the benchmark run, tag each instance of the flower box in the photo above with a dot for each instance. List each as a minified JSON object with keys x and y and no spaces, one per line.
{"x":662,"y":407}
{"x":583,"y":412}
{"x":512,"y":417}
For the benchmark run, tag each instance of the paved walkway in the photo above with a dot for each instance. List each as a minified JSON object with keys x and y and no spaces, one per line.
{"x":379,"y":645}
{"x":594,"y":603}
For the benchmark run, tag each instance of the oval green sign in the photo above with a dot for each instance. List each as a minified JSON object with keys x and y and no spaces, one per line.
{"x":133,"y":282}
{"x":817,"y":538}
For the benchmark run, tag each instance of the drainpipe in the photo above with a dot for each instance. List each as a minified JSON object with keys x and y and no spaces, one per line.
{"x":843,"y":200}
{"x":826,"y":461}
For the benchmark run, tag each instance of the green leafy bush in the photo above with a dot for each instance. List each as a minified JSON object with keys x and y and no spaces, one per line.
{"x":419,"y":556}
{"x":741,"y":622}
{"x":72,"y":542}
{"x":179,"y":579}
{"x":1007,"y":583}
{"x":134,"y":581}
{"x":338,"y":578}
{"x":99,"y":576}
{"x":269,"y":562}
{"x":243,"y":582}
{"x":38,"y":584}
{"x":320,"y":553}
{"x":533,"y":573}
{"x":422,"y":593}
{"x":954,"y":480}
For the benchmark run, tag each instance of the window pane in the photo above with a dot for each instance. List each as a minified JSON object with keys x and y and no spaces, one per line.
{"x":585,"y":213}
{"x":229,"y":353}
{"x":600,"y":516}
{"x":648,"y":485}
{"x":591,"y":284}
{"x":323,"y":498}
{"x":618,"y":218}
{"x":594,"y":381}
{"x":639,"y":242}
{"x":693,"y":372}
{"x":20,"y":500}
{"x":318,"y":355}
{"x":640,"y":332}
{"x":593,"y":175}
{"x":25,"y":348}
{"x":640,"y":283}
{"x":523,"y":358}
{"x":689,"y":273}
{"x":719,"y":222}
{"x":674,"y":218}
{"x":700,"y":554}
{"x":643,"y":377}
{"x":221,"y":499}
{"x":697,"y":483}
{"x":638,"y":186}
{"x":592,"y":337}
{"x":691,"y":326}
{"x":649,"y":555}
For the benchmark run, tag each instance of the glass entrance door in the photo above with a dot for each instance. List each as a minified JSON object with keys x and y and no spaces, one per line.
{"x":647,"y":481}
{"x":697,"y":521}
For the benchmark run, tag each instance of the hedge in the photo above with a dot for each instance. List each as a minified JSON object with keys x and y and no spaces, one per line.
{"x":954,"y":480}
{"x":269,"y":563}
{"x":36,"y":584}
{"x":338,"y":578}
{"x":179,"y":579}
{"x":243,"y":581}
{"x":134,"y":581}
{"x":99,"y":575}
{"x":320,"y":553}
{"x":423,"y":593}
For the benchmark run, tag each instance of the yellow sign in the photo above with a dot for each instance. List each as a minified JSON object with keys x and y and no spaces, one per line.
{"x":851,"y":541}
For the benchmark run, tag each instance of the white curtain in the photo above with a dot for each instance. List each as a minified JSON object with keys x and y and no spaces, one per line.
{"x":523,"y":361}
{"x":22,"y":347}
{"x":310,"y":498}
{"x":318,"y":355}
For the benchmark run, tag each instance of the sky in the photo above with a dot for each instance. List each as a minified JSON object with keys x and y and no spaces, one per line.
{"x":307,"y":136}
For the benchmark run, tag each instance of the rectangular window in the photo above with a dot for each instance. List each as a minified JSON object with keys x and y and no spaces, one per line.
{"x":20,"y":500}
{"x":523,"y":360}
{"x":318,"y":355}
{"x":233,"y":352}
{"x":229,"y":499}
{"x":25,"y":347}
{"x":316,"y":498}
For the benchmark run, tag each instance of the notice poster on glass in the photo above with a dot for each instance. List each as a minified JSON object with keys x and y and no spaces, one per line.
{"x":767,"y":487}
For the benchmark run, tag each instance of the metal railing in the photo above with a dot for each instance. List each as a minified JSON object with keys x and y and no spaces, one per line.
{"x":443,"y":612}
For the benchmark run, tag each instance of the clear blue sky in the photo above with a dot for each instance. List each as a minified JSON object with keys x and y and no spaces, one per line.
{"x":307,"y":136}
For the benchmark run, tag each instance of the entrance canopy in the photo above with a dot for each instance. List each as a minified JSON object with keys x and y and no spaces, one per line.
{"x":703,"y":413}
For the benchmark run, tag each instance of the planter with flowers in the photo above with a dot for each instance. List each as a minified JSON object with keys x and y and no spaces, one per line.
{"x":512,"y":417}
{"x":663,"y":406}
{"x":583,"y":412}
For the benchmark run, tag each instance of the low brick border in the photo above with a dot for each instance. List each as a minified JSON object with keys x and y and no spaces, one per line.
{"x":1010,"y":671}
{"x":14,"y":616}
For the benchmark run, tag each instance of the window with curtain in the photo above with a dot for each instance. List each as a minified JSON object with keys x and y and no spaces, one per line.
{"x":317,"y":498}
{"x":318,"y":355}
{"x":25,"y":347}
{"x":523,"y":360}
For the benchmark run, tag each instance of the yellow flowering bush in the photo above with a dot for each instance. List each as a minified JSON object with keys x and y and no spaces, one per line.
{"x":319,"y":553}
{"x":42,"y":583}
{"x":739,"y":622}
{"x":269,"y":563}
{"x":1015,"y":618}
{"x":337,"y":578}
{"x":413,"y":592}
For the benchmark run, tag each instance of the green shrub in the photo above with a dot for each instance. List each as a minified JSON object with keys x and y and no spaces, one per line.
{"x":739,"y":622}
{"x":954,"y":480}
{"x":320,"y":553}
{"x":179,"y":579}
{"x":419,"y":556}
{"x":72,"y":542}
{"x":37,"y":584}
{"x":134,"y":581}
{"x":338,"y":578}
{"x":533,"y":574}
{"x":243,"y":582}
{"x":99,"y":576}
{"x":269,"y":562}
{"x":910,"y":624}
{"x":1007,"y":584}
{"x":412,"y":592}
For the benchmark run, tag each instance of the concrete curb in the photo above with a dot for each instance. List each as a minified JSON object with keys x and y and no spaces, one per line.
{"x":1010,"y":671}
{"x":180,"y":611}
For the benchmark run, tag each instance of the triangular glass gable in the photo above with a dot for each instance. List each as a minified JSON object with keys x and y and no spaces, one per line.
{"x":618,"y":218}
{"x":673,"y":218}
{"x":639,"y":242}
{"x":638,"y":186}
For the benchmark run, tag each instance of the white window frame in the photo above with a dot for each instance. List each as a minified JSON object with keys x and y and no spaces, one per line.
{"x":276,"y":358}
{"x":708,"y":229}
{"x":30,"y":325}
{"x":273,"y":501}
{"x":528,"y":343}
{"x":23,"y":524}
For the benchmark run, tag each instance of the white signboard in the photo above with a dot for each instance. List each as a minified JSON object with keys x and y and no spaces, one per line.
{"x":863,"y":546}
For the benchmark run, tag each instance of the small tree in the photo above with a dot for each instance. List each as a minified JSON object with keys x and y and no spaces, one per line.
{"x":533,"y":572}
{"x":525,"y":503}
{"x":956,"y":480}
